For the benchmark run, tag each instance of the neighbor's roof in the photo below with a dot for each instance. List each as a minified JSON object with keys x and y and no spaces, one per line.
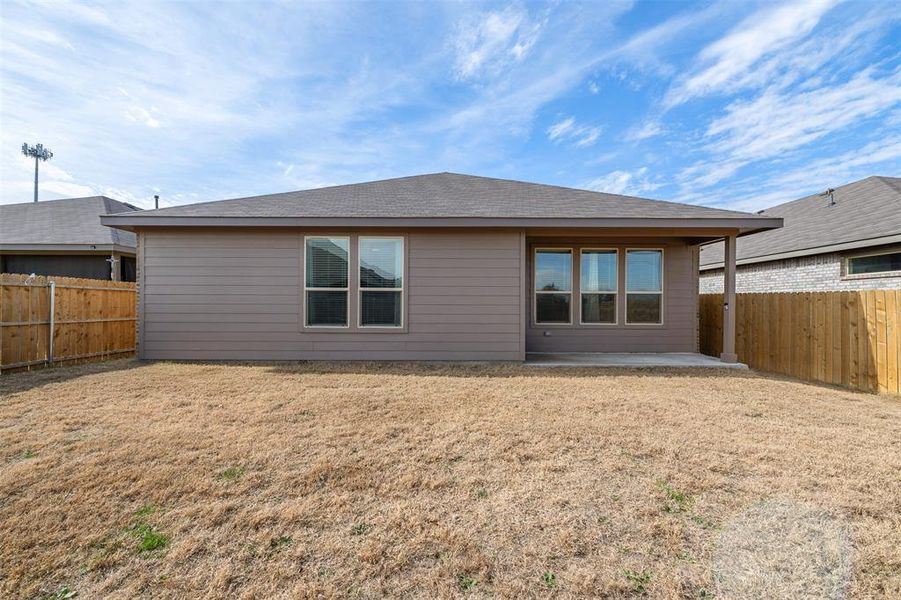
{"x":866,"y":213}
{"x":71,"y":222}
{"x":455,"y":199}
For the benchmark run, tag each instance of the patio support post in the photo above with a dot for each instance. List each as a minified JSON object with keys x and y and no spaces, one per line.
{"x":729,"y":355}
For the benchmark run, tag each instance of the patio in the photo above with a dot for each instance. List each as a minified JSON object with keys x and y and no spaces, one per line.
{"x":629,"y":360}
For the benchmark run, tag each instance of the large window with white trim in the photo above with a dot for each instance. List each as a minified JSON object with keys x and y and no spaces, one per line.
{"x":553,"y":285}
{"x":326,"y":281}
{"x":598,"y":285}
{"x":381,"y":281}
{"x":644,"y":286}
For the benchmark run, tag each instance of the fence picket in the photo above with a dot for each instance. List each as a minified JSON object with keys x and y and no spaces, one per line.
{"x":851,"y":339}
{"x":83,"y":311}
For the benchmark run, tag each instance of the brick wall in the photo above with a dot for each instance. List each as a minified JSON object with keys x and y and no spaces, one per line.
{"x":821,"y":273}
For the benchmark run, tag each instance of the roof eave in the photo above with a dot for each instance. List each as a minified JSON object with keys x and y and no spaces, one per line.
{"x":68,"y":248}
{"x":853,"y":245}
{"x":744,"y":225}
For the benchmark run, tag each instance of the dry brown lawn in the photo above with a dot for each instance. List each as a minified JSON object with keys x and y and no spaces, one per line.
{"x":364,"y":480}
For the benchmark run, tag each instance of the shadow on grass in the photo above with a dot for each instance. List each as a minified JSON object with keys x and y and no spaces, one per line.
{"x":22,"y":381}
{"x":502,"y":370}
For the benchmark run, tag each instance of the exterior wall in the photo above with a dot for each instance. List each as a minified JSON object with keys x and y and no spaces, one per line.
{"x":820,"y":273}
{"x":90,"y":266}
{"x":678,"y":333}
{"x":208,"y":294}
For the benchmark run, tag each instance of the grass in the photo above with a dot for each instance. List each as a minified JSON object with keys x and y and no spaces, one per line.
{"x":465,"y":583}
{"x":230,"y":474}
{"x":150,"y":539}
{"x":298,"y":480}
{"x":62,"y":593}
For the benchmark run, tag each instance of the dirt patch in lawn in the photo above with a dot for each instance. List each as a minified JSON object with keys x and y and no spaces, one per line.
{"x":364,"y":480}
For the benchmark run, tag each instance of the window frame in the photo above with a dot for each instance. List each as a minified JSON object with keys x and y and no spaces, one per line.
{"x":846,"y":266}
{"x":401,"y":289}
{"x":346,"y":290}
{"x":615,"y":291}
{"x":662,"y":291}
{"x":535,"y":291}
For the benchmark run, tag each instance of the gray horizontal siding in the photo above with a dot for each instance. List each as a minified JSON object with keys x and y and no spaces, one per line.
{"x":237,"y":296}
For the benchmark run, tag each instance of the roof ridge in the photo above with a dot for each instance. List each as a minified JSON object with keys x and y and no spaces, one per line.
{"x":114,"y":233}
{"x":453,"y":174}
{"x":575,"y":189}
{"x":890,"y":181}
{"x":327,"y":187}
{"x":839,"y":188}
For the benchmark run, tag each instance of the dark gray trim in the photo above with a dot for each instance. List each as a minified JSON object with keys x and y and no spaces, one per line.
{"x":891,"y":239}
{"x":68,"y":248}
{"x":743,"y":224}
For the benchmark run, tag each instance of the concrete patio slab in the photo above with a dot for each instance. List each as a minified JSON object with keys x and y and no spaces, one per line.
{"x":628,"y":360}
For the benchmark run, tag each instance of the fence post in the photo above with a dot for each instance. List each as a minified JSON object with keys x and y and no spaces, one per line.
{"x":52,"y":321}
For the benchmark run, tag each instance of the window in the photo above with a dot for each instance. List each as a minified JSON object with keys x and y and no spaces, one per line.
{"x":381,"y":281}
{"x":644,"y":286}
{"x":875,"y":264}
{"x":553,"y":286}
{"x":326,"y":281}
{"x":598,"y":285}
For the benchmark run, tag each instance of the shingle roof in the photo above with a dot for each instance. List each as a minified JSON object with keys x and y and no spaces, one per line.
{"x":868,"y":209}
{"x":63,"y":222}
{"x":442,"y":195}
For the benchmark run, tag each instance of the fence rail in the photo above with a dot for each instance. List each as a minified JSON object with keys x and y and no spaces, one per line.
{"x":56,"y":319}
{"x":851,"y":339}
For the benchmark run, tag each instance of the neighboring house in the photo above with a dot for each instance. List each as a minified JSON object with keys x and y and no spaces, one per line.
{"x":66,"y":238}
{"x":846,"y":239}
{"x":430,"y":267}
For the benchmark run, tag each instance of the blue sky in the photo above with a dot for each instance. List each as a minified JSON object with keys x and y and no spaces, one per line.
{"x":740,"y":105}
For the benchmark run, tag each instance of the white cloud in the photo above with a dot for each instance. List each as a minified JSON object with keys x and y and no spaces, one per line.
{"x":142,"y":115}
{"x":648,"y":129}
{"x":486,"y":43}
{"x":777,"y":123}
{"x":580,"y":136}
{"x":729,"y":59}
{"x":880,"y":157}
{"x":623,"y":182}
{"x":561,"y":128}
{"x":594,"y":88}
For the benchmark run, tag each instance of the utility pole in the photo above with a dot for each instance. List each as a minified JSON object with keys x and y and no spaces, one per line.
{"x":39,"y":153}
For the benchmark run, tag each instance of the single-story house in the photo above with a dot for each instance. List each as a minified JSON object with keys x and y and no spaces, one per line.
{"x":65,"y":238}
{"x":429,"y":267}
{"x":847,"y":238}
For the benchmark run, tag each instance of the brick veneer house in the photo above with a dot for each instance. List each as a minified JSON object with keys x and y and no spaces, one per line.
{"x":846,"y":239}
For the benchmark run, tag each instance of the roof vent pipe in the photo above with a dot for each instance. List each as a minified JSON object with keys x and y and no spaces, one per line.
{"x":156,"y":201}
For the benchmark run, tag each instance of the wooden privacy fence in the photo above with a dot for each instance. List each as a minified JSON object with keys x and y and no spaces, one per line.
{"x":54,"y":319}
{"x":844,"y":338}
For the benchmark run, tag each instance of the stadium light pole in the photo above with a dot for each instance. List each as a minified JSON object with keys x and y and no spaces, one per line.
{"x":39,"y":153}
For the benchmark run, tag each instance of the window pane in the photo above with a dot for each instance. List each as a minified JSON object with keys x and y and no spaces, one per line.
{"x":643,"y":308}
{"x":381,"y":263}
{"x":552,"y":308}
{"x":380,"y":308}
{"x":326,"y":262}
{"x":644,"y":270}
{"x":874,"y":264}
{"x":599,"y":308}
{"x":553,"y":270}
{"x":327,"y":308}
{"x":599,"y":270}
